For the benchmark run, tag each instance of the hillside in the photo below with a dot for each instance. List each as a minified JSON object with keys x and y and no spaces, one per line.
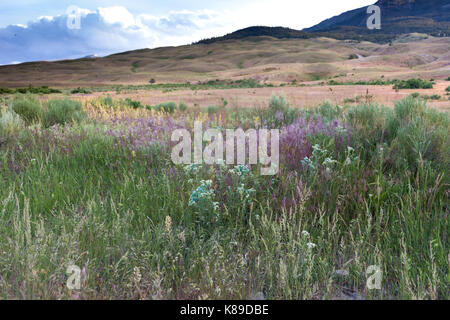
{"x":398,"y":17}
{"x":260,"y":31}
{"x":264,"y":59}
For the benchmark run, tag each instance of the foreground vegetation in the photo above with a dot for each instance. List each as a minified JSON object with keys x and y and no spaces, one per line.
{"x":92,"y":184}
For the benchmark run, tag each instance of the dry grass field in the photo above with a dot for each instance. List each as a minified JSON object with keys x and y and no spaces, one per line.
{"x":303,"y":97}
{"x":308,"y":62}
{"x":262,"y":58}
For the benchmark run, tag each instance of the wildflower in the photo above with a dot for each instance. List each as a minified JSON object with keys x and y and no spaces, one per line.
{"x":279,"y":116}
{"x":241,"y":171}
{"x":192,"y":168}
{"x":329,"y":162}
{"x":306,"y":162}
{"x":168,"y":223}
{"x":136,"y":275}
{"x":181,"y":236}
{"x":311,"y":245}
{"x":204,"y":191}
{"x":316,"y":147}
{"x":305,"y":233}
{"x":133,"y":154}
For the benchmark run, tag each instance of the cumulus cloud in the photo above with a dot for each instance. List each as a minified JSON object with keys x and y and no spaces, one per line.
{"x":104,"y":31}
{"x":114,"y":29}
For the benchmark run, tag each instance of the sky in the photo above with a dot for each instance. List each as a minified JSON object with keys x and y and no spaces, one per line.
{"x":33,"y":30}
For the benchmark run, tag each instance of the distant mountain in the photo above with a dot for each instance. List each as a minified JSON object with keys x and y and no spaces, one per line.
{"x":259,"y":31}
{"x":91,"y":56}
{"x":397,"y":17}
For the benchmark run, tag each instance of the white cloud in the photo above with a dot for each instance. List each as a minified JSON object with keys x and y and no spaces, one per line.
{"x":104,"y":31}
{"x":117,"y":14}
{"x":114,"y":29}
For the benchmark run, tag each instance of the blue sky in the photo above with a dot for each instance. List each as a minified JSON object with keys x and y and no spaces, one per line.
{"x":32,"y":30}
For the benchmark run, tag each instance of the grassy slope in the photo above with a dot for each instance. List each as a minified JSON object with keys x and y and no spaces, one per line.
{"x":262,"y":58}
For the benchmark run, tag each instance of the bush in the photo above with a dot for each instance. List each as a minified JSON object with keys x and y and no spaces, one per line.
{"x":10,"y":123}
{"x":212,"y":109}
{"x":279,"y":112}
{"x":6,"y":90}
{"x":37,"y":90}
{"x":415,"y":95}
{"x":410,"y":133}
{"x":28,"y":108}
{"x":134,"y":104}
{"x":447,"y":89}
{"x":182,"y":106}
{"x":435,"y":97}
{"x":168,"y":107}
{"x":62,"y":111}
{"x":432,"y":97}
{"x":108,"y":101}
{"x":80,"y":90}
{"x":413,"y":84}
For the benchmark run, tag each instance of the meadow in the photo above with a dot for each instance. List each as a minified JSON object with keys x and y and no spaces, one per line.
{"x":90,"y":182}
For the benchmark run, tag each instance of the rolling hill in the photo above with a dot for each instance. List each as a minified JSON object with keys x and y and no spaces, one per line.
{"x":398,"y":17}
{"x":274,"y":55}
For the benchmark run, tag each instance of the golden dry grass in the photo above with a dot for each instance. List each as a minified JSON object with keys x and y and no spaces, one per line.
{"x":261,"y":58}
{"x":264,"y":59}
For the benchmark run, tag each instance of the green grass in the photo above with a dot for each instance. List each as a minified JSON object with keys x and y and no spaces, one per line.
{"x":29,"y":89}
{"x":124,"y":218}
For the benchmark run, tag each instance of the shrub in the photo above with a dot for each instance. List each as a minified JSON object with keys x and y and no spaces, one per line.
{"x":432,"y":97}
{"x":134,"y":104}
{"x":80,"y":90}
{"x":410,"y":133}
{"x":168,"y":107}
{"x":28,"y":108}
{"x":10,"y":123}
{"x":212,"y":109}
{"x":108,"y":101}
{"x":37,"y":90}
{"x":279,"y":112}
{"x":6,"y":90}
{"x":447,"y":89}
{"x":407,"y":109}
{"x":62,"y":111}
{"x":415,"y":95}
{"x":413,"y":84}
{"x":435,"y":97}
{"x":369,"y":122}
{"x":182,"y":106}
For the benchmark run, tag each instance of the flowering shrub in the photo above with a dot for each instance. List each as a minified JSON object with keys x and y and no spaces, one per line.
{"x":296,"y":139}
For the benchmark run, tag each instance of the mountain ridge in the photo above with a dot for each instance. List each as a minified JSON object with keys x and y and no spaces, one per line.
{"x":397,"y":17}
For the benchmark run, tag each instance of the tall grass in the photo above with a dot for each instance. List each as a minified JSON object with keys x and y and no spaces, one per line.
{"x":131,"y":220}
